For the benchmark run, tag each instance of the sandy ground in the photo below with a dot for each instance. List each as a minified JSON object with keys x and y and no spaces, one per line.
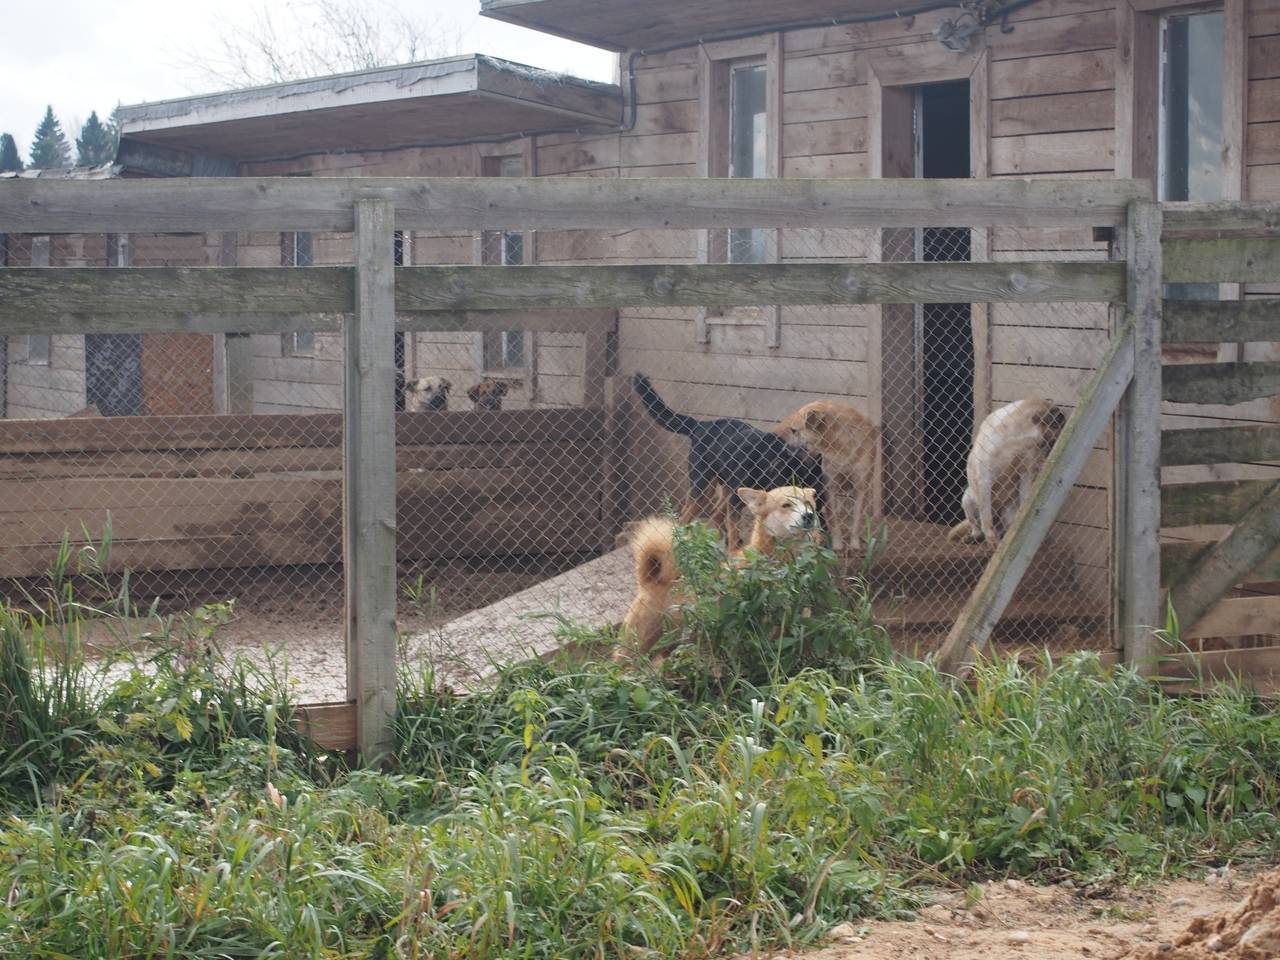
{"x":1016,"y":920}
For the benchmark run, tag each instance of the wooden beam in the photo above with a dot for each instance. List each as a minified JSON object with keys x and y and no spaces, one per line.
{"x":474,"y":321}
{"x":1226,"y":260}
{"x":1220,"y":383}
{"x":1211,"y":321}
{"x":551,"y":203}
{"x":1219,"y":445}
{"x":497,"y":288}
{"x":1136,"y":527}
{"x":24,"y":438}
{"x":331,"y":725}
{"x":1211,"y":502}
{"x":165,"y":296}
{"x":369,"y":487}
{"x":1237,"y":558}
{"x":972,"y":629}
{"x":1237,"y":617}
{"x":1256,"y":667}
{"x":1211,"y":220}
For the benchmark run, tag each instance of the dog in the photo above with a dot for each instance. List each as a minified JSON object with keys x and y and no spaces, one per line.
{"x":731,"y":454}
{"x":849,"y":445}
{"x":487,"y":394}
{"x":1009,"y":449}
{"x":427,"y":393}
{"x":785,"y":515}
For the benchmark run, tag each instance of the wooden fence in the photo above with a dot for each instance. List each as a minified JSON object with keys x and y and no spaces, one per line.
{"x":208,"y":492}
{"x":371,"y":300}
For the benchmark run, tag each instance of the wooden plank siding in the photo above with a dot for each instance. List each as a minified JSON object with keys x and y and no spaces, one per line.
{"x":215,"y":491}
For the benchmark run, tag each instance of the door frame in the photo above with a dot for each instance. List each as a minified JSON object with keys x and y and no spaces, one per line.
{"x":892,"y":78}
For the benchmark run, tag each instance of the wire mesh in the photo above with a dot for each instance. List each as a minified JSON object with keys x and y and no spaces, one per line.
{"x":523,"y":455}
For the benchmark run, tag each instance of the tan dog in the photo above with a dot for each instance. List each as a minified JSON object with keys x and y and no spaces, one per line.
{"x":849,"y":444}
{"x":785,"y":514}
{"x":487,"y":394}
{"x":426,"y":393}
{"x":1009,"y":449}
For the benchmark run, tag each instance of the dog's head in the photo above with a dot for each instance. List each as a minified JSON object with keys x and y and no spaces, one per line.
{"x":785,"y":512}
{"x":1051,"y":420}
{"x":488,"y":394}
{"x":809,"y":430}
{"x":427,"y":393}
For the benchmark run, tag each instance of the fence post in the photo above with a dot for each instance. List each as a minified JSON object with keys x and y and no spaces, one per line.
{"x":1137,"y":462}
{"x":369,"y":484}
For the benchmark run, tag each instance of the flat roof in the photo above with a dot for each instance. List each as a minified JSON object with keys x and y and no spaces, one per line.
{"x":631,"y":25}
{"x":452,"y":100}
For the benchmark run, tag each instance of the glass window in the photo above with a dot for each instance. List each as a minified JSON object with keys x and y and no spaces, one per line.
{"x":39,"y":349}
{"x":503,"y":349}
{"x":1190,"y":152}
{"x":296,"y":251}
{"x":748,"y":142}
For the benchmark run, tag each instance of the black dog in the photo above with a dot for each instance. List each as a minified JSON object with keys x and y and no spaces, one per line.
{"x":731,"y":453}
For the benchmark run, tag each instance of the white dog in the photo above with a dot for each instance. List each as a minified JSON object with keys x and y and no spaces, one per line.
{"x":1008,"y":451}
{"x":426,"y":393}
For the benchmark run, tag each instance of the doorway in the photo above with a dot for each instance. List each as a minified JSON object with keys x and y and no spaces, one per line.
{"x":113,"y":373}
{"x":926,"y":350}
{"x":945,"y":330}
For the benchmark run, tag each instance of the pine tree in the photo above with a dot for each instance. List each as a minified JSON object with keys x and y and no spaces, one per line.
{"x":93,"y":146}
{"x":9,"y":158}
{"x":50,"y":148}
{"x":113,"y":130}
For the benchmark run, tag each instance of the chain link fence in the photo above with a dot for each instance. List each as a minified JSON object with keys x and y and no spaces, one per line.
{"x":523,"y":454}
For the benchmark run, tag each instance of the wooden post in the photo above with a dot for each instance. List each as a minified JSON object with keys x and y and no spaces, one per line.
{"x":1136,"y":529}
{"x":369,"y":487}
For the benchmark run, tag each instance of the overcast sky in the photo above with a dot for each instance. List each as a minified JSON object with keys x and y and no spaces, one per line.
{"x":83,"y":55}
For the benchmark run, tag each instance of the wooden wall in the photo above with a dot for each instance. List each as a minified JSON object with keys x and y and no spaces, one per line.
{"x":208,"y":492}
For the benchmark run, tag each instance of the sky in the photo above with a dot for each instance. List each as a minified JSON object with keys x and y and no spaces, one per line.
{"x":91,"y":55}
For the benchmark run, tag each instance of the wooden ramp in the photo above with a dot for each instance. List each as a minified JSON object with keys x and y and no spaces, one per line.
{"x":464,"y":650}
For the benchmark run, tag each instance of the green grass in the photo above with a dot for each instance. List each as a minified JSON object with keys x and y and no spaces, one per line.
{"x":778,"y":776}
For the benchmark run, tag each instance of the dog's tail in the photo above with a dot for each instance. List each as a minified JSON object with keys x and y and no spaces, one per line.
{"x":655,"y":558}
{"x":663,"y":415}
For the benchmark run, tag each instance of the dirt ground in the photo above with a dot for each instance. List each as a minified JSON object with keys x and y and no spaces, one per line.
{"x":1013,"y":919}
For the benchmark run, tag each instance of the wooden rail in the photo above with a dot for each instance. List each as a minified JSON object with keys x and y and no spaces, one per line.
{"x":554,"y":203}
{"x":265,"y":299}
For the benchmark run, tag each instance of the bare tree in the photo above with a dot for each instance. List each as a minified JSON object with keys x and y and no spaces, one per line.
{"x":312,"y":38}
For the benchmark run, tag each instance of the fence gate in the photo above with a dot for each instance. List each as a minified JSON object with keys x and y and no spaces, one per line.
{"x":1221,"y":501}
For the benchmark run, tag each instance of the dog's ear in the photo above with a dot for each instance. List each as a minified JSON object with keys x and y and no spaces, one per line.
{"x":445,"y":385}
{"x":500,"y":388}
{"x":754,"y":499}
{"x":474,"y":393}
{"x":816,"y":421}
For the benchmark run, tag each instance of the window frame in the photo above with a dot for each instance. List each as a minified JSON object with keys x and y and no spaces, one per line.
{"x":505,"y":160}
{"x":717,"y":61}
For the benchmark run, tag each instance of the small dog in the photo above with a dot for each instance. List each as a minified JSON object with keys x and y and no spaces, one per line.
{"x":487,"y":394}
{"x":1009,"y":449}
{"x":731,"y":454}
{"x":849,"y":445}
{"x":427,"y":393}
{"x":785,"y":515}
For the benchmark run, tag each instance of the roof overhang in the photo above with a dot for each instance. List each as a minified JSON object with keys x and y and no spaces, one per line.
{"x":455,"y":100}
{"x":663,"y":23}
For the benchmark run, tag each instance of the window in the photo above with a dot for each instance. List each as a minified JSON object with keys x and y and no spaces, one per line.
{"x":39,"y":349}
{"x":748,"y":142}
{"x":296,"y":251}
{"x":503,"y":349}
{"x":1189,"y":164}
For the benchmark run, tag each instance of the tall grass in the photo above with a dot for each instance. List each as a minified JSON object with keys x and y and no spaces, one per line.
{"x":582,"y":811}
